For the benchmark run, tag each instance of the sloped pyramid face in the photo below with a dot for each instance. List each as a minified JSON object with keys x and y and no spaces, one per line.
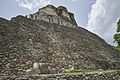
{"x":29,"y":46}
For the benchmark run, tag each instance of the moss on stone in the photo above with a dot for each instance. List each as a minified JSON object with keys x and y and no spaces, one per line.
{"x":84,"y":71}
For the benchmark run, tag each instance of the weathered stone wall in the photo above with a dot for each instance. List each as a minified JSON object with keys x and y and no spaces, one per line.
{"x":50,"y":19}
{"x":51,"y":48}
{"x":77,"y":76}
{"x":55,"y":15}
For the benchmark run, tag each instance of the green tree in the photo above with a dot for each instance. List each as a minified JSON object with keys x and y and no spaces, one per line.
{"x":117,"y":35}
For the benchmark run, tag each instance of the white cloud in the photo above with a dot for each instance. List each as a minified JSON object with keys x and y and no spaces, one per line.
{"x":31,"y":4}
{"x":102,"y":18}
{"x":73,"y":0}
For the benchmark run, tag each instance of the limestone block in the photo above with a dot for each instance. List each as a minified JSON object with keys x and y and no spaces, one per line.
{"x":49,"y":11}
{"x":35,"y":65}
{"x":65,"y":14}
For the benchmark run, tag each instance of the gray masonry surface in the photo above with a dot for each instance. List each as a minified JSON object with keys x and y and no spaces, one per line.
{"x":77,"y":76}
{"x":50,"y":42}
{"x":55,"y":15}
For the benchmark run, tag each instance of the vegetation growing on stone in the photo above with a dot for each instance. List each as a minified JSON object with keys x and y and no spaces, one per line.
{"x":89,"y":71}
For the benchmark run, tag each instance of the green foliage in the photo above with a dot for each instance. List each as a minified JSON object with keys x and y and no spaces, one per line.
{"x":117,"y":35}
{"x":118,"y":24}
{"x":117,"y":48}
{"x":117,"y":38}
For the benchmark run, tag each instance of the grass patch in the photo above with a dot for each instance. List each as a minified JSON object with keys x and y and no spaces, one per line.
{"x":83,"y":71}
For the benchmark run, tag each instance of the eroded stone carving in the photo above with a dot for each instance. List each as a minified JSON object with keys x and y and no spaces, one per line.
{"x":55,"y":15}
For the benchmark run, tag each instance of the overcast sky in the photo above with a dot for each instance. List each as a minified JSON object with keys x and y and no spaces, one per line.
{"x":98,"y":16}
{"x":11,"y":8}
{"x":103,"y":17}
